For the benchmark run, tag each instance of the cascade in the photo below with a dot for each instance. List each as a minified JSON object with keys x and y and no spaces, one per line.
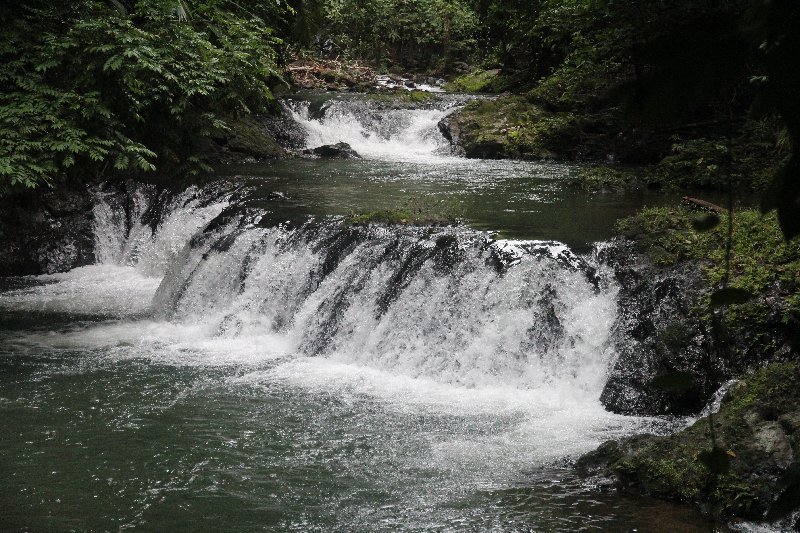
{"x":375,"y":131}
{"x":448,"y":304}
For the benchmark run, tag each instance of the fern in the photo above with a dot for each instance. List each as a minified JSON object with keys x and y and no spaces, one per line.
{"x":91,"y":86}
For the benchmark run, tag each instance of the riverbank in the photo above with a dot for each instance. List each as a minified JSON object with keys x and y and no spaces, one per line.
{"x":718,"y":154}
{"x":698,"y":325}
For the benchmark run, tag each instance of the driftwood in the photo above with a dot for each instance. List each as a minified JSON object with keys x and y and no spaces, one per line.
{"x":319,"y":73}
{"x":705,"y":205}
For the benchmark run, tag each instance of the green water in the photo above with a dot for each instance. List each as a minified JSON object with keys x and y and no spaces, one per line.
{"x":521,"y":200}
{"x":94,"y":441}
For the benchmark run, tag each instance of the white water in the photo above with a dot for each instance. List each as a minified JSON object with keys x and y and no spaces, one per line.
{"x":387,"y":134}
{"x":453,"y":337}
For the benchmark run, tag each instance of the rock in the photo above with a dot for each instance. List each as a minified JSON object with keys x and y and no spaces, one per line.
{"x":247,"y":139}
{"x":510,"y":128}
{"x":674,"y":351}
{"x":790,"y":422}
{"x":339,"y":150}
{"x":746,"y":470}
{"x":771,"y":438}
{"x":450,"y":130}
{"x":46,"y":231}
{"x":658,"y":343}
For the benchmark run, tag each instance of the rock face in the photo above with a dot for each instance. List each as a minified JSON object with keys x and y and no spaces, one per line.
{"x":747,"y":466}
{"x":674,"y":350}
{"x":333,"y":151}
{"x":660,"y":343}
{"x":44,"y":232}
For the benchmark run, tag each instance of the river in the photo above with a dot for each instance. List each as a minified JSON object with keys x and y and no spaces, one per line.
{"x":242,"y":358}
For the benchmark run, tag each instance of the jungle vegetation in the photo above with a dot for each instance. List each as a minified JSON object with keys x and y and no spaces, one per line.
{"x":94,"y":87}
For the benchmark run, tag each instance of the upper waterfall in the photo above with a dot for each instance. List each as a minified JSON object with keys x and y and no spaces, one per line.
{"x":374,"y":131}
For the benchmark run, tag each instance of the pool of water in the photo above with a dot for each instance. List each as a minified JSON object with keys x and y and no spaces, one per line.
{"x":117,"y":435}
{"x":518,"y":199}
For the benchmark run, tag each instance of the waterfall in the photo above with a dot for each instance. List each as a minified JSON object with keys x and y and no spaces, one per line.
{"x":447,"y":304}
{"x":125,"y":225}
{"x":373,"y":130}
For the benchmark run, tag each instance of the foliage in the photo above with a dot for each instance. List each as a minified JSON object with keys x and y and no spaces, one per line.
{"x":749,"y":161}
{"x":761,"y":260}
{"x":408,"y":30}
{"x":603,"y":178}
{"x":90,"y":86}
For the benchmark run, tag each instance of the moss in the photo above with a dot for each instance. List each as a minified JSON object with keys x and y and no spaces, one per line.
{"x":776,"y":384}
{"x":763,"y":266}
{"x":247,"y":137}
{"x":512,"y":127}
{"x":745,"y":481}
{"x":664,"y":234}
{"x":479,"y":81}
{"x":604,"y":178}
{"x":401,"y":96}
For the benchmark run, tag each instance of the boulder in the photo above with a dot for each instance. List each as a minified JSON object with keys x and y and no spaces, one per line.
{"x":247,"y":139}
{"x":340,"y":150}
{"x":46,"y":231}
{"x":739,"y":462}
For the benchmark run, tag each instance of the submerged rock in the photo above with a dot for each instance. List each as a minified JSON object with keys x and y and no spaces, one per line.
{"x":339,"y":150}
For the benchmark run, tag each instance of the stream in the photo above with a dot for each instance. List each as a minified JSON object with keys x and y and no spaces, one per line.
{"x":243,"y":358}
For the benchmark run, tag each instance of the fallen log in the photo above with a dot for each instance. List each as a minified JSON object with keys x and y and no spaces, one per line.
{"x":704,"y":204}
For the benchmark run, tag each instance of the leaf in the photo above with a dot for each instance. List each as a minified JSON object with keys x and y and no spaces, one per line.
{"x":716,"y":460}
{"x":730,"y":296}
{"x":706,"y":222}
{"x":673,"y":381}
{"x":119,"y":7}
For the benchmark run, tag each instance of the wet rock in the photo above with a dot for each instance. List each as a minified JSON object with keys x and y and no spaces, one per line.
{"x":660,"y":346}
{"x":46,"y":231}
{"x":340,"y":150}
{"x":450,"y":130}
{"x":745,"y":467}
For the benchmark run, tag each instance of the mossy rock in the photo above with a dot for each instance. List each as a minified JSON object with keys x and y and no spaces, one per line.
{"x":479,"y":81}
{"x":744,"y":470}
{"x":245,"y":139}
{"x":402,"y":98}
{"x":511,"y":127}
{"x":604,"y":178}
